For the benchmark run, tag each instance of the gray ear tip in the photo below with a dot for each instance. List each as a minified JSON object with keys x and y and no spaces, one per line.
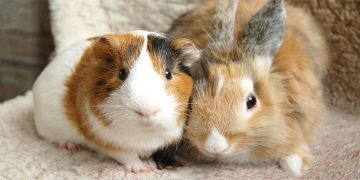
{"x":276,"y":4}
{"x":282,"y":12}
{"x":280,"y":2}
{"x":265,"y":30}
{"x":276,"y":8}
{"x":279,"y":7}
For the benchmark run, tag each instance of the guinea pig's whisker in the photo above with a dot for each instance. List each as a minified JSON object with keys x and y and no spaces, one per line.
{"x":115,"y":122}
{"x":198,"y":103}
{"x":84,"y":124}
{"x":118,"y":117}
{"x":108,"y":115}
{"x":115,"y":106}
{"x":191,"y":104}
{"x":128,"y":102}
{"x":122,"y":119}
{"x":122,"y":96}
{"x":113,"y":113}
{"x":207,"y":33}
{"x":111,"y":116}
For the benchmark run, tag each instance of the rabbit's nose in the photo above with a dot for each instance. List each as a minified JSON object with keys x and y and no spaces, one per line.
{"x":216,"y":142}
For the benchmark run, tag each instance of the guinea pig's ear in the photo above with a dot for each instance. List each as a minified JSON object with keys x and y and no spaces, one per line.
{"x":186,"y":51}
{"x":101,"y":47}
{"x":265,"y":31}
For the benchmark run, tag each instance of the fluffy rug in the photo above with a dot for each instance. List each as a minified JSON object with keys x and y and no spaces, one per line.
{"x":24,"y":155}
{"x":336,"y":154}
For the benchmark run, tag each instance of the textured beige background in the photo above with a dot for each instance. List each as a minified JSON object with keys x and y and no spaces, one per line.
{"x":340,"y":20}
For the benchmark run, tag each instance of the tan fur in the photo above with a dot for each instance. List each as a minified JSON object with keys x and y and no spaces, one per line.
{"x":290,"y":93}
{"x":197,"y":26}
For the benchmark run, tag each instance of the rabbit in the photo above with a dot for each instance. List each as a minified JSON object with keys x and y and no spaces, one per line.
{"x":257,"y":92}
{"x":124,"y":95}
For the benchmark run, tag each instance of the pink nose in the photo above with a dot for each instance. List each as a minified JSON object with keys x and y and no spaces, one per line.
{"x":143,"y":113}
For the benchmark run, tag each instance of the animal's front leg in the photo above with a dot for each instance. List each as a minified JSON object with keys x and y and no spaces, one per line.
{"x":131,"y":161}
{"x":297,"y":162}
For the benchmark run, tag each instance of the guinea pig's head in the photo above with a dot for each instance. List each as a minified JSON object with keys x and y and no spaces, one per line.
{"x":238,"y":100}
{"x":141,"y":79}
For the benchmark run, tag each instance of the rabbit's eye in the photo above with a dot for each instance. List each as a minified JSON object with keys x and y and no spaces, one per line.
{"x":250,"y":102}
{"x":122,"y":74}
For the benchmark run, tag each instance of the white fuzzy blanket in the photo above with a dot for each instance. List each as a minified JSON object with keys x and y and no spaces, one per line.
{"x":79,"y":19}
{"x":24,"y":155}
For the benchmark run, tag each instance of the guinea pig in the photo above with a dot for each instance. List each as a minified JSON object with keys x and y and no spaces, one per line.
{"x":257,"y":92}
{"x":122,"y":95}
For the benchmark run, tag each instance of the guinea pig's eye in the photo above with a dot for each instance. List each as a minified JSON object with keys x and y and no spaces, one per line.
{"x":168,"y":74}
{"x":122,"y":74}
{"x":250,"y":102}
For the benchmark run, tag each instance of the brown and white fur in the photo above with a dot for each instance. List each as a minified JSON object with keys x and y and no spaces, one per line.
{"x":123,"y":95}
{"x":257,"y":87}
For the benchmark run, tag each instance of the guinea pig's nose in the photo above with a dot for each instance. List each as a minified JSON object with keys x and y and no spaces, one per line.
{"x":146,"y":113}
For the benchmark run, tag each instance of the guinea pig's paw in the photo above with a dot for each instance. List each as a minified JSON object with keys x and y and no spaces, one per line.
{"x":138,"y":167}
{"x":70,"y":147}
{"x":151,"y":163}
{"x":295,"y":164}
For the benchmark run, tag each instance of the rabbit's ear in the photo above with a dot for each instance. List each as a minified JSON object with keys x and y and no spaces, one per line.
{"x":222,"y":38}
{"x":265,"y":30}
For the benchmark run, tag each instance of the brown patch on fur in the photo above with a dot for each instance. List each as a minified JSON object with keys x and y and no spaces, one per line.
{"x":157,"y":61}
{"x":181,"y":86}
{"x":95,"y":77}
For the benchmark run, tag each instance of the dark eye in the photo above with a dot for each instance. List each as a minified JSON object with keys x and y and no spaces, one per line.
{"x":122,"y":74}
{"x":168,"y":74}
{"x":250,"y":102}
